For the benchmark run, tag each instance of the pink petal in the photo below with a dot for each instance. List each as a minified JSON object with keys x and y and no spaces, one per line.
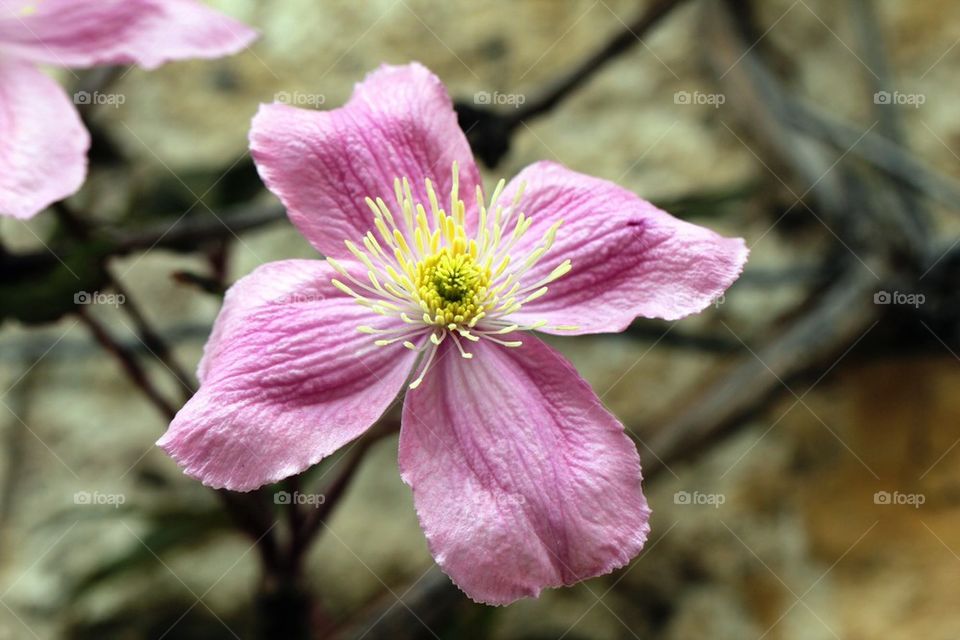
{"x":83,"y":33}
{"x":522,"y":480}
{"x":629,"y":258}
{"x":322,"y":164}
{"x":43,"y":144}
{"x":286,"y":379}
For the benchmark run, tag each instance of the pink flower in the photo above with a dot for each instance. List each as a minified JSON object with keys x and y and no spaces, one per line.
{"x":521,"y":478}
{"x":43,"y":144}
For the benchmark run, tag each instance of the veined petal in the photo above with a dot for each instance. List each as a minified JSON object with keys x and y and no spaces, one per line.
{"x":629,"y":258}
{"x":323,"y":164}
{"x":286,"y":379}
{"x":83,"y":33}
{"x":521,"y":479}
{"x":43,"y":144}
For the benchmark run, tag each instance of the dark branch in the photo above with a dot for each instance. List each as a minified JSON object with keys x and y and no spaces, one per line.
{"x":490,"y":131}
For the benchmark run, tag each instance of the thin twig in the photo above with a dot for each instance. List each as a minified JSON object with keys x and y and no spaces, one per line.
{"x":489,"y":131}
{"x":128,"y":360}
{"x":71,"y":221}
{"x":153,"y":342}
{"x":890,"y":122}
{"x":561,"y":88}
{"x":331,"y":496}
{"x":811,"y":343}
{"x":338,"y":487}
{"x":185,"y":234}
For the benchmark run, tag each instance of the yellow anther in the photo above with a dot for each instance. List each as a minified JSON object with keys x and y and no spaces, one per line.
{"x":437,"y":280}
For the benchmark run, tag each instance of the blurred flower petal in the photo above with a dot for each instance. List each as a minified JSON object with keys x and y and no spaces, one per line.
{"x":43,"y":144}
{"x":80,"y":33}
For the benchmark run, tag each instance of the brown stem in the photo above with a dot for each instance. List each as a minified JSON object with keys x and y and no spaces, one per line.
{"x":310,"y":525}
{"x":250,"y":512}
{"x":567,"y":84}
{"x":489,"y":131}
{"x":185,"y":234}
{"x":128,"y":360}
{"x":316,"y":517}
{"x":73,"y":223}
{"x":152,"y":340}
{"x":810,"y":344}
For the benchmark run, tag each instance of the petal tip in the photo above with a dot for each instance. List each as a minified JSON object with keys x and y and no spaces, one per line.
{"x":728,"y":269}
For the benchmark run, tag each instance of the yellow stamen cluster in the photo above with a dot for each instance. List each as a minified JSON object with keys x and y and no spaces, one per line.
{"x":425,"y":270}
{"x":452,"y":286}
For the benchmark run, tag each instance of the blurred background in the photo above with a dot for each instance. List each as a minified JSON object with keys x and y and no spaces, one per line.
{"x":799,"y":438}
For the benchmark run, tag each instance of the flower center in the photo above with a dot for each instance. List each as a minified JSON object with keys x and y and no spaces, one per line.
{"x":424,"y":270}
{"x":452,"y":285}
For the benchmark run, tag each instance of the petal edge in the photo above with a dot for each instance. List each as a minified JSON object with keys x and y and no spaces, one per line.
{"x":629,"y":258}
{"x":322,"y":164}
{"x":542,"y":489}
{"x":287,"y":380}
{"x":43,"y":157}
